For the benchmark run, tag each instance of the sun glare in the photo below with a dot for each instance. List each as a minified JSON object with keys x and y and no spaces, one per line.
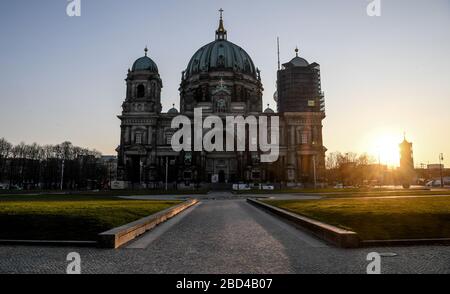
{"x":384,"y":147}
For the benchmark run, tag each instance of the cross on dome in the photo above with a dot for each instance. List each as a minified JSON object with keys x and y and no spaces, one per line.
{"x":221,"y":33}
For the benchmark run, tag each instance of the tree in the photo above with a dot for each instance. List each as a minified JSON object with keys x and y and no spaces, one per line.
{"x":350,"y":169}
{"x":34,"y":166}
{"x":5,"y":151}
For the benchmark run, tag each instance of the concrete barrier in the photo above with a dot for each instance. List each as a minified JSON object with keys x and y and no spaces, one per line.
{"x":124,"y":234}
{"x":334,"y":235}
{"x":406,"y":242}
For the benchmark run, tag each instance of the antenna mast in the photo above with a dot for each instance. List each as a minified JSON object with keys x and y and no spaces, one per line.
{"x":278,"y":48}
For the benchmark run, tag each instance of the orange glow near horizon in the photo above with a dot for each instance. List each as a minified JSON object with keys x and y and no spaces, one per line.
{"x":383,"y":145}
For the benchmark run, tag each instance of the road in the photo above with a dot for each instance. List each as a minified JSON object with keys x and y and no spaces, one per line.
{"x":227,"y":236}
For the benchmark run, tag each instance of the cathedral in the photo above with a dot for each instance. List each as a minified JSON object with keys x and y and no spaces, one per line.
{"x":222,"y":80}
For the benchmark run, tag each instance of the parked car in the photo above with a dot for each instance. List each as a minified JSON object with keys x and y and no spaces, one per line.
{"x":268,"y":187}
{"x":241,"y":187}
{"x":15,"y":187}
{"x":437,"y":183}
{"x":4,"y":186}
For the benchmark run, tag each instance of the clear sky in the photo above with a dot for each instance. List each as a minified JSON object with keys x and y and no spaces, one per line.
{"x":62,"y":78}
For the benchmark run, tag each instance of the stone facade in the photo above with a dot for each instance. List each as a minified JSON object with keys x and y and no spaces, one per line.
{"x":222,"y":79}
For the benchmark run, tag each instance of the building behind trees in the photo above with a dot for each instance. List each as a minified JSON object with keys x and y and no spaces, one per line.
{"x":35,"y":167}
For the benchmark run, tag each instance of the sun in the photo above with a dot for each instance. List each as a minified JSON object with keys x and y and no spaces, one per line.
{"x":384,"y":146}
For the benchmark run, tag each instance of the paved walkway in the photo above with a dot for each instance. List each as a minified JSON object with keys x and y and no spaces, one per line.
{"x":224,"y":236}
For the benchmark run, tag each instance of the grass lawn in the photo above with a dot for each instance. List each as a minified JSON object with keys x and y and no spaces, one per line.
{"x":379,"y":219}
{"x":69,"y":217}
{"x":108,"y":193}
{"x":354,"y":193}
{"x":307,"y":190}
{"x":386,"y":193}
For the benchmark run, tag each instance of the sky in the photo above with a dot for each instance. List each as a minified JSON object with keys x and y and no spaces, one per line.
{"x":62,"y":78}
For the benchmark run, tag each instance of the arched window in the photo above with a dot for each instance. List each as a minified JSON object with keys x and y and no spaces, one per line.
{"x":138,"y":138}
{"x":221,"y":105}
{"x":305,"y":138}
{"x":221,"y":61}
{"x":168,"y":136}
{"x":140,"y":91}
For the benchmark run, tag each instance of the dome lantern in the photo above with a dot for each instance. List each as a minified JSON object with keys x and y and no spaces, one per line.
{"x":221,"y":33}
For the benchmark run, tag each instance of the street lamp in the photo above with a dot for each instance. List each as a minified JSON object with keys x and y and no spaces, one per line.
{"x":110,"y":163}
{"x":315,"y":172}
{"x":62,"y":174}
{"x":167,"y":173}
{"x":441,"y":160}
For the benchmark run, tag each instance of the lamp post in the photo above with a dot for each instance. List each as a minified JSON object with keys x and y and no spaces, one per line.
{"x":62,"y":174}
{"x":167,"y":172}
{"x":110,"y":171}
{"x":441,"y":160}
{"x":141,"y":172}
{"x":315,"y":171}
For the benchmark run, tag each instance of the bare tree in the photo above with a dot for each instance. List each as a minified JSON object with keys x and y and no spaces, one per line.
{"x":5,"y":151}
{"x":35,"y":166}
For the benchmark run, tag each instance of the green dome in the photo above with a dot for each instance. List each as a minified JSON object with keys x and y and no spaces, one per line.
{"x":173,"y":110}
{"x":145,"y":63}
{"x":297,"y":61}
{"x":221,"y":55}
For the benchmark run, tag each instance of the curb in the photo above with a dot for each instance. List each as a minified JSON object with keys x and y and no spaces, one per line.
{"x":331,"y":234}
{"x":405,"y":242}
{"x":117,"y":237}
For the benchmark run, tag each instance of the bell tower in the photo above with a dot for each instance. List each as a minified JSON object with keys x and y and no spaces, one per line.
{"x":302,"y":104}
{"x":143,"y":86}
{"x":140,"y":112}
{"x":406,"y":163}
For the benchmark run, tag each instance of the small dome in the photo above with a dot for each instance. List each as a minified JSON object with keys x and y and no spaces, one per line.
{"x":145,"y":64}
{"x":269,"y":110}
{"x":298,"y":61}
{"x":173,"y":110}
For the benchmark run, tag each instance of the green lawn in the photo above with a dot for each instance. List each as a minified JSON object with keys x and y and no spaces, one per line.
{"x":109,"y":193}
{"x":308,"y":190}
{"x":379,"y":219}
{"x":385,"y":193}
{"x":353,"y":192}
{"x":69,"y":217}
